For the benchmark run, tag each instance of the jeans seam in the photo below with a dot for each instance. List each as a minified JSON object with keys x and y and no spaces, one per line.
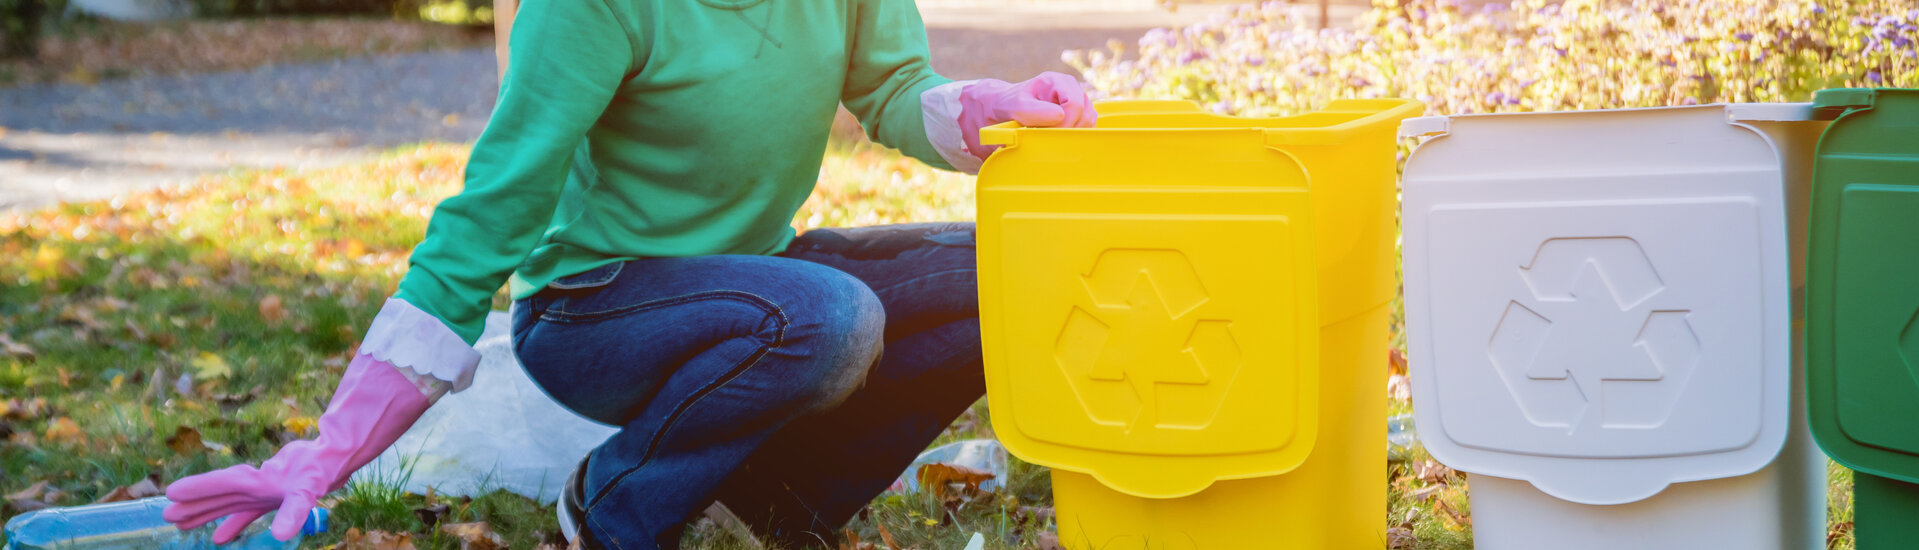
{"x":556,"y":314}
{"x":889,"y":288}
{"x":653,"y":444}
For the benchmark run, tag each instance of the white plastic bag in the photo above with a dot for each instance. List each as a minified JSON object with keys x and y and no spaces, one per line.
{"x":501,"y":433}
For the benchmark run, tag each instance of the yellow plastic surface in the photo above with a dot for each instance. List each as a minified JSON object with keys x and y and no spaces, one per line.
{"x":1176,"y":299}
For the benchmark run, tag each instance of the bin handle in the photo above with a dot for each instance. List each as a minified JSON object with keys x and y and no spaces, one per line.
{"x":1400,"y":109}
{"x":1006,"y":133}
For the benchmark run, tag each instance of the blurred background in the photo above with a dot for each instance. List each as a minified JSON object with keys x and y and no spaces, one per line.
{"x":203,"y":202}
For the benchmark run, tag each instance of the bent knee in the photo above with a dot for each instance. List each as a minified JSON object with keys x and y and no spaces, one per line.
{"x":840,"y":326}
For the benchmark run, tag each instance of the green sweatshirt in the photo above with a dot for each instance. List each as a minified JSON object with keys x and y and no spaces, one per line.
{"x":655,"y":128}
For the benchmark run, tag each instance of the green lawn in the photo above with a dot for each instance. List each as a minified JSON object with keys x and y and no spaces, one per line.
{"x":228,"y":309}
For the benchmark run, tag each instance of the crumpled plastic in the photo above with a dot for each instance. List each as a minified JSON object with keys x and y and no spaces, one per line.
{"x":501,"y":433}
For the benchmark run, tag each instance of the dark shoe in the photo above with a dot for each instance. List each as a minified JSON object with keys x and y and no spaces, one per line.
{"x":573,"y":509}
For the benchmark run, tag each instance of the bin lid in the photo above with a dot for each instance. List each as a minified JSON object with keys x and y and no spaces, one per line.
{"x":1862,"y":306}
{"x":1598,"y":302}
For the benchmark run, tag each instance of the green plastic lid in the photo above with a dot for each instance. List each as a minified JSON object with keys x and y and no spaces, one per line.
{"x":1862,"y":282}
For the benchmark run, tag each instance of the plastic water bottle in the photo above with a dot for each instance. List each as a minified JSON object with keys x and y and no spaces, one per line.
{"x":136,"y":524}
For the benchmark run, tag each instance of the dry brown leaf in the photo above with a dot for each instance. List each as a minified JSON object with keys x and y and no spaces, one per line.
{"x":853,"y":542}
{"x":375,"y":540}
{"x":1400,"y":538}
{"x":16,"y":350}
{"x":1423,"y":493}
{"x":475,"y":536}
{"x":936,"y":478}
{"x":145,"y":488}
{"x":431,"y":515}
{"x":272,"y":310}
{"x":186,"y":441}
{"x":29,"y":409}
{"x":29,"y":493}
{"x":887,"y":536}
{"x":1396,"y":362}
{"x":63,"y":429}
{"x":1050,"y":541}
{"x":1431,"y":471}
{"x":1399,"y":387}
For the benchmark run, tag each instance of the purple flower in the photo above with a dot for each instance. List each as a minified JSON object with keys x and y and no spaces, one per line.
{"x":1875,"y":78}
{"x":1818,"y":9}
{"x":1743,"y":36}
{"x":1189,"y":57}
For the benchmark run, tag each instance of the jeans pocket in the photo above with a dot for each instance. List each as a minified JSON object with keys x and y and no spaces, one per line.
{"x":591,"y":278}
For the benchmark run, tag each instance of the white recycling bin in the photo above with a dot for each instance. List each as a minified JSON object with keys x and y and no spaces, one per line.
{"x":1601,"y":319}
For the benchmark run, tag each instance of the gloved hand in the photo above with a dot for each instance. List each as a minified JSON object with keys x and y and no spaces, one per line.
{"x":374,"y":404}
{"x":1050,"y":99}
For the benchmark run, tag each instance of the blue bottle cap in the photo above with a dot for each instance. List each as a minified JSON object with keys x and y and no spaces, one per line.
{"x":316,"y":523}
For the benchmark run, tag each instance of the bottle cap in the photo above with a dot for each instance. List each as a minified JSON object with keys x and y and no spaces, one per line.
{"x":316,"y":523}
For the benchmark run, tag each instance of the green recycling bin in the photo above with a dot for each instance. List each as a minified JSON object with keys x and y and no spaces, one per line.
{"x":1862,"y":306}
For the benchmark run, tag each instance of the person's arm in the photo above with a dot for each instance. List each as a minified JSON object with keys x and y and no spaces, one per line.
{"x":891,"y":87}
{"x":570,"y":58}
{"x":889,"y":70}
{"x":503,"y":12}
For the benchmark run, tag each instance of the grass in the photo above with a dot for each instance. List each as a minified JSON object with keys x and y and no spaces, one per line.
{"x":255,"y":286}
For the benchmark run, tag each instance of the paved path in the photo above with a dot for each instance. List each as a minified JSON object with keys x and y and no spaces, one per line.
{"x":80,"y":142}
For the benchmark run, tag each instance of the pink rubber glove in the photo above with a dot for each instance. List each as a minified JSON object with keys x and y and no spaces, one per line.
{"x":1050,"y":99}
{"x":372,"y":407}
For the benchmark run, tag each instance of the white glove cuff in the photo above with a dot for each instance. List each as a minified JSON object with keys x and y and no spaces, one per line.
{"x":427,"y":352}
{"x":940,"y":107}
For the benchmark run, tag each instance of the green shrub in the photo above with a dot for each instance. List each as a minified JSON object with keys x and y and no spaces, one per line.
{"x":1527,"y":56}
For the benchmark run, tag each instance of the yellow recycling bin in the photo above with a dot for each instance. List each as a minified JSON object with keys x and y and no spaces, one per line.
{"x":1185,"y":316}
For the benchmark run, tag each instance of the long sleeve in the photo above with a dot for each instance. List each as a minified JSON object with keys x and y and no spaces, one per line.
{"x":568,"y":60}
{"x":890,"y":69}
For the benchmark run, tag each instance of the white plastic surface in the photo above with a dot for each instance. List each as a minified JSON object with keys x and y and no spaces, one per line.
{"x":501,"y":433}
{"x":1598,"y":302}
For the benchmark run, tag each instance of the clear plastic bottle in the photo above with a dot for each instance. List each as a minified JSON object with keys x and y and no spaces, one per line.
{"x":136,"y":525}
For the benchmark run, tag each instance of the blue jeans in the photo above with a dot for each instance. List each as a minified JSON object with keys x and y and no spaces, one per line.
{"x":759,"y":380}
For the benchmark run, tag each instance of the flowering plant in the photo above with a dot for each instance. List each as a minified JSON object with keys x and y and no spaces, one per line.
{"x":1530,"y":55}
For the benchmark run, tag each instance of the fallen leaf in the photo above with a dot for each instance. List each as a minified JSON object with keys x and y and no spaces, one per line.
{"x":66,"y":378}
{"x":208,"y":366}
{"x":272,"y":310}
{"x":852,"y":541}
{"x":887,"y":536}
{"x":375,"y":540}
{"x":1396,"y":362}
{"x":1400,"y":538}
{"x":1423,"y":493}
{"x":937,"y":477}
{"x":300,"y":426}
{"x":63,"y":429}
{"x":145,"y":488}
{"x":475,"y":536}
{"x":1432,"y":471}
{"x":1399,"y":387}
{"x":431,"y":515}
{"x":1050,"y":541}
{"x":186,"y":441}
{"x":16,"y":350}
{"x":31,"y":492}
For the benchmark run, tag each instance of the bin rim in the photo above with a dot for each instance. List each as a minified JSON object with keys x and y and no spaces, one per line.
{"x":1430,"y":126}
{"x":1375,"y":111}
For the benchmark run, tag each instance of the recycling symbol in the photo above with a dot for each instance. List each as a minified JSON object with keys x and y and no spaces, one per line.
{"x":1137,"y":351}
{"x":1594,"y":324}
